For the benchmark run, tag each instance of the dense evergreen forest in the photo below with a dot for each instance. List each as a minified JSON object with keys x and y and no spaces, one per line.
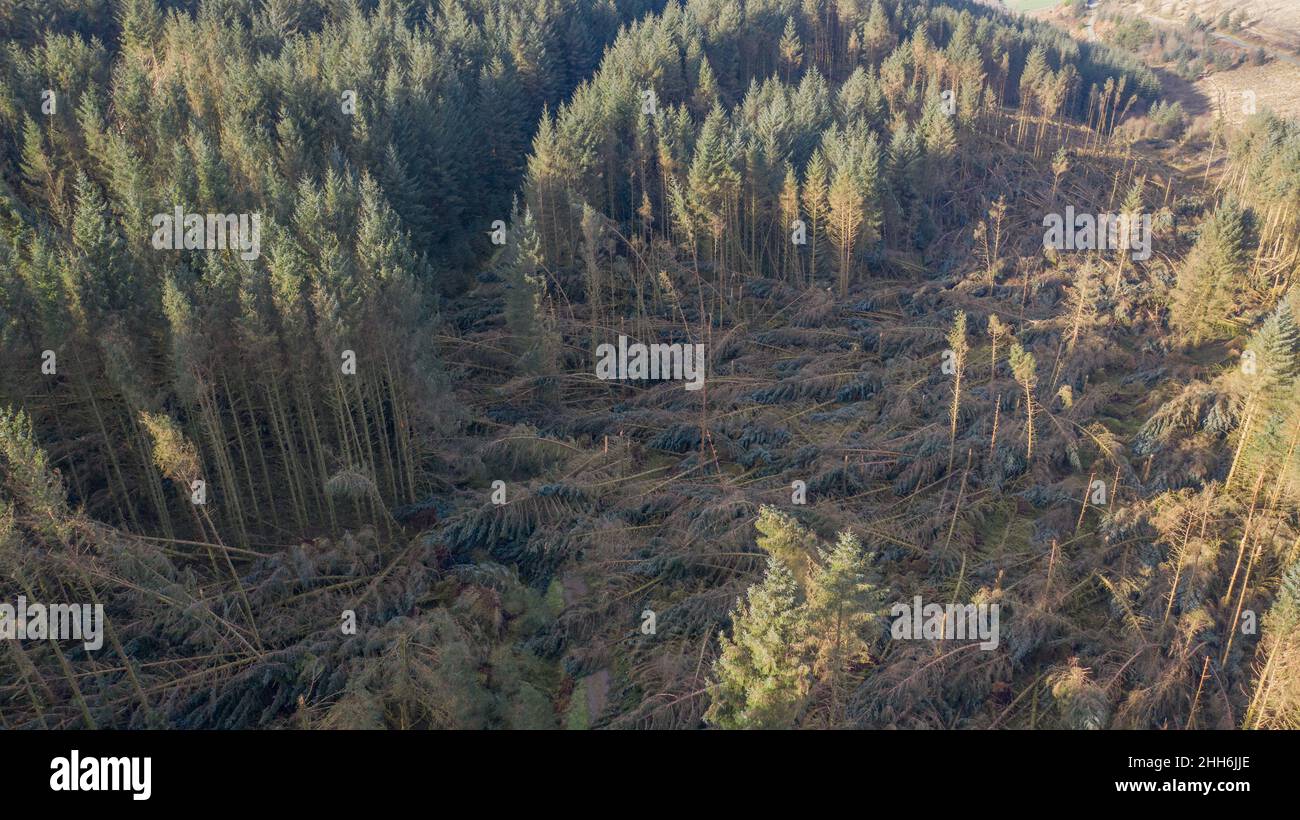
{"x":369,"y":474}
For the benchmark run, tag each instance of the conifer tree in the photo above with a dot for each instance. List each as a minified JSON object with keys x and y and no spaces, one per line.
{"x":525,"y":307}
{"x":30,"y":478}
{"x":1276,"y":700}
{"x":1270,"y":424}
{"x":845,"y":220}
{"x":784,"y":537}
{"x":960,"y":347}
{"x":997,"y":329}
{"x":1026,"y":372}
{"x":816,"y":207}
{"x":706,"y":98}
{"x":713,"y":182}
{"x":1210,"y":276}
{"x":789,"y":208}
{"x":877,"y":34}
{"x":1034,"y":78}
{"x":939,"y":139}
{"x":791,"y":50}
{"x":141,"y":22}
{"x":40,"y":174}
{"x":1060,"y":165}
{"x":842,"y":602}
{"x":761,"y":676}
{"x":1131,"y":211}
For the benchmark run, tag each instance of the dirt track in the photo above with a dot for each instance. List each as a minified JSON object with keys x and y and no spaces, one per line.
{"x":575,"y":588}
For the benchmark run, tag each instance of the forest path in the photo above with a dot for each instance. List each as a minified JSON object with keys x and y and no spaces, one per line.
{"x":575,"y":588}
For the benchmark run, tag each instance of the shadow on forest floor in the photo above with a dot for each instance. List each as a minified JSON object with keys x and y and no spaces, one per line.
{"x":1176,"y":89}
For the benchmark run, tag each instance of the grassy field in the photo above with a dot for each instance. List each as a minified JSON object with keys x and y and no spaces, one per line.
{"x":1030,"y":5}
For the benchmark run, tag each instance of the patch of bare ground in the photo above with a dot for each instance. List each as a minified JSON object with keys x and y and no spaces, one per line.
{"x":1275,"y":86}
{"x":597,"y":693}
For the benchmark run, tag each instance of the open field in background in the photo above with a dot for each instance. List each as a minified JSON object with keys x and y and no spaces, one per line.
{"x":1024,"y":6}
{"x":1276,"y":86}
{"x":1274,"y":23}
